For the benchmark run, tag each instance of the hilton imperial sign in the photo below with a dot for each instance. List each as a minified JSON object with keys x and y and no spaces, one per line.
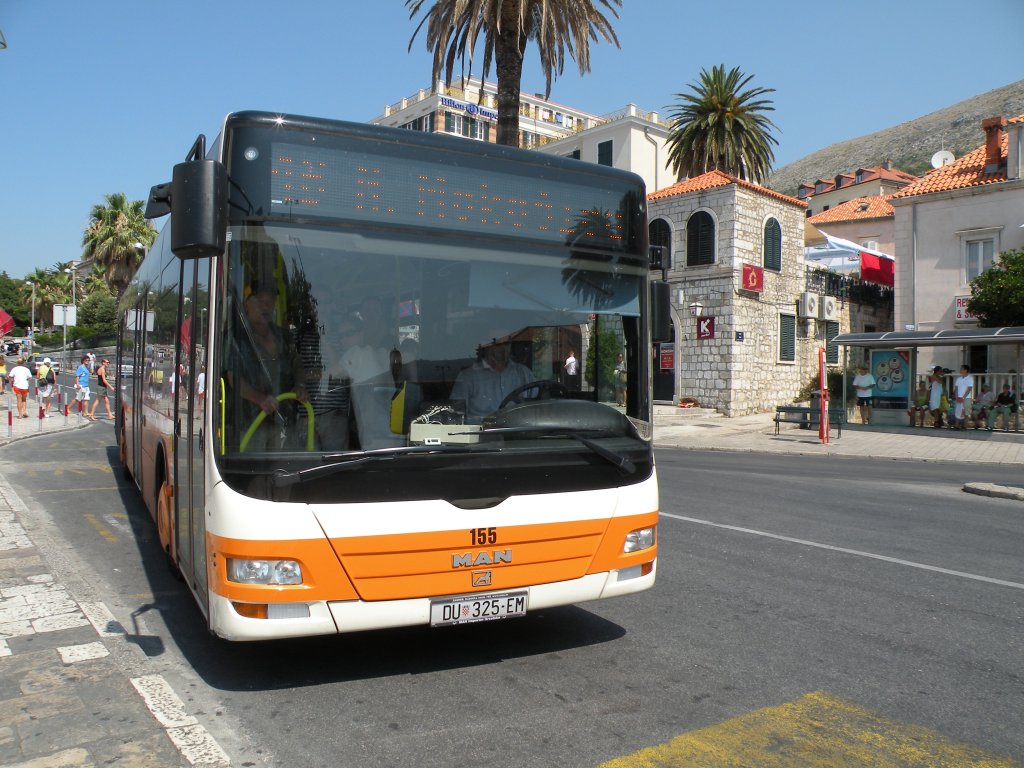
{"x":471,"y":109}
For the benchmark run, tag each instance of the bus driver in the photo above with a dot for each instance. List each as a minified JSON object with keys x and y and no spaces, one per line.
{"x":486,"y":383}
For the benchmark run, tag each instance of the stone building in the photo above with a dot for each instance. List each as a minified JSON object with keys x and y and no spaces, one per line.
{"x":749,"y":317}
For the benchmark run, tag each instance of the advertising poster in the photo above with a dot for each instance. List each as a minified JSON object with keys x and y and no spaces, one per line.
{"x":891,"y":369}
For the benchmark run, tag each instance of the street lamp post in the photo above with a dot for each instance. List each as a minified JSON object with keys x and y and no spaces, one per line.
{"x":32,"y":328}
{"x":73,"y":271}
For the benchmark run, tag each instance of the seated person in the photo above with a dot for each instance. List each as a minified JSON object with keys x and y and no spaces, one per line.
{"x":983,"y":406}
{"x":1005,"y":404}
{"x":919,"y":405}
{"x":486,"y":383}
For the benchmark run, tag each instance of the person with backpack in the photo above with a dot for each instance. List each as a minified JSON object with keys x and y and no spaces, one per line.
{"x":102,"y":390}
{"x":19,"y":375}
{"x":45,"y":381}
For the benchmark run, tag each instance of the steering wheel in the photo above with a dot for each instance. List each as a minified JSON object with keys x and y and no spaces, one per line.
{"x":546,"y":388}
{"x":310,"y":434}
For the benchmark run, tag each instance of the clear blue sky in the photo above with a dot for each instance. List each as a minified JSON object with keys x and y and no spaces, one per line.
{"x":106,"y":97}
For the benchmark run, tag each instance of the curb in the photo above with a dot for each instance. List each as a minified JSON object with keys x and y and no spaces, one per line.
{"x":995,"y":491}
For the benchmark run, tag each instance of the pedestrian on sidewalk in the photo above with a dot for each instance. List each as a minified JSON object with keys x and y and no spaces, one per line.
{"x":963,"y":390}
{"x":45,"y":379}
{"x":20,"y":374}
{"x":935,"y":396}
{"x":82,"y":387}
{"x":1006,"y":403}
{"x":864,"y":383}
{"x":102,"y":390}
{"x":3,"y":371}
{"x":919,"y":407}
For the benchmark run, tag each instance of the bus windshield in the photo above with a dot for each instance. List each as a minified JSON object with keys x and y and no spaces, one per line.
{"x":409,"y":361}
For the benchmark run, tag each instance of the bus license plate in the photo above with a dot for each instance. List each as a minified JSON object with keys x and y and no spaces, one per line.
{"x":466,"y":610}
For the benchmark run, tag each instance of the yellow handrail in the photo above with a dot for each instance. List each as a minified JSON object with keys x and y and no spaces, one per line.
{"x":310,"y":434}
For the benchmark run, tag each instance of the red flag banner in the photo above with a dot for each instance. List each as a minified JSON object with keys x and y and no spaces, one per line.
{"x":875,"y":269}
{"x":6,"y":322}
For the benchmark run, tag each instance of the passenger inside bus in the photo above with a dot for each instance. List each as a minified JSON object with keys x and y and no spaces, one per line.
{"x":487,"y":382}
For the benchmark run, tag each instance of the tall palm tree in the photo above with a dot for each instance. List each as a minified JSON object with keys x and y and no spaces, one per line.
{"x":111,"y":236}
{"x":454,"y":27}
{"x":719,"y":125}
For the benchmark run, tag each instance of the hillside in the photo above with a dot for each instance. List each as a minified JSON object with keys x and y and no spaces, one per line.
{"x":909,"y":145}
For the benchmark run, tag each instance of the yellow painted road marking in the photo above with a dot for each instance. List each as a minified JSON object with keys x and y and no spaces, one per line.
{"x":103,"y":531}
{"x":815,"y":731}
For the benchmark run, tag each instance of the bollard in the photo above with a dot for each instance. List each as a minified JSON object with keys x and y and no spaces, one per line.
{"x":39,"y":421}
{"x":10,"y":423}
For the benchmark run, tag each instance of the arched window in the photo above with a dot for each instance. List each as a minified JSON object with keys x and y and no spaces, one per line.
{"x":773,"y":245}
{"x":659,"y":233}
{"x":700,"y":239}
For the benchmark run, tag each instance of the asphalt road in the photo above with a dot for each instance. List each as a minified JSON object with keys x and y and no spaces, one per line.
{"x":874,"y":597}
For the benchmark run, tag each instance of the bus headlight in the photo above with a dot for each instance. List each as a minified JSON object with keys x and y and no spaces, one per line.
{"x":275,"y":572}
{"x":637,"y":540}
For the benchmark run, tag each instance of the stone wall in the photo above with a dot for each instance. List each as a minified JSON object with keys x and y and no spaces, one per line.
{"x":738,"y":371}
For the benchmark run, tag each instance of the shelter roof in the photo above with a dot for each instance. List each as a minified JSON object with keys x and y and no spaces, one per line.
{"x":949,"y":337}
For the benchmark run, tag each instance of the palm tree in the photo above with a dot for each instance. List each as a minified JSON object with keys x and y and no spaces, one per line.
{"x":111,"y":237}
{"x":455,"y":26}
{"x":719,"y":125}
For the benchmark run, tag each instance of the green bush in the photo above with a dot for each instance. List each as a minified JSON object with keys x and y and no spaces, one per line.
{"x":834,"y":381}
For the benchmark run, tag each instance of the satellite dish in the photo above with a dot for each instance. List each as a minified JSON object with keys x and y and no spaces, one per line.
{"x":941,"y":158}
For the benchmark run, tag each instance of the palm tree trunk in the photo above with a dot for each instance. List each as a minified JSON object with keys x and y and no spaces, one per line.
{"x":510,"y":46}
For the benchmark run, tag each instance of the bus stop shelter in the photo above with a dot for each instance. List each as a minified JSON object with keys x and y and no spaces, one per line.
{"x":893,"y":355}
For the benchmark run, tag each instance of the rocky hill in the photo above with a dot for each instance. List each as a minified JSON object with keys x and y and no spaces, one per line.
{"x":909,"y":145}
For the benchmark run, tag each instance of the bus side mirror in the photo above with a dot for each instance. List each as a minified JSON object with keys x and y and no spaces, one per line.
{"x":661,"y":311}
{"x":199,"y":206}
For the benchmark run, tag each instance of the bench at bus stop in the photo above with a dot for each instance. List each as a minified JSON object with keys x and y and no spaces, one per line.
{"x":809,"y":417}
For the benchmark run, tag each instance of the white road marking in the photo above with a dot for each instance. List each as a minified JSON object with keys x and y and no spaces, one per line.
{"x":71,"y":654}
{"x":102,"y":619}
{"x":192,"y":739}
{"x":844,"y":550}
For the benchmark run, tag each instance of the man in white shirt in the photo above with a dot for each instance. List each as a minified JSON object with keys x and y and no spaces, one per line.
{"x":864,"y":383}
{"x":19,"y":376}
{"x":572,"y":369}
{"x":963,"y":391}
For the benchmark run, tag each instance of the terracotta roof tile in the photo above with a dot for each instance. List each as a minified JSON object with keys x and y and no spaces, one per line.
{"x":871,"y":207}
{"x":714,"y":179}
{"x":968,"y":171}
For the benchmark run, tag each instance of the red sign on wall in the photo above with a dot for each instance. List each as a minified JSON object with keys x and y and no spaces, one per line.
{"x":753,"y":278}
{"x":705,"y":327}
{"x":667,"y":357}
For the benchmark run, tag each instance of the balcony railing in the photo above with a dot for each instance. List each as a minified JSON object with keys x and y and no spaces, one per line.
{"x":848,"y":288}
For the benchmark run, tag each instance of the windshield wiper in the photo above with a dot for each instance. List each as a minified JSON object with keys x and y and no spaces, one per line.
{"x":617,"y":459}
{"x":342,"y":462}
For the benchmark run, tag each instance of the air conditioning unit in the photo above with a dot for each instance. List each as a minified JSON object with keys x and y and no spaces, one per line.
{"x":808,"y":305}
{"x":828,"y":308}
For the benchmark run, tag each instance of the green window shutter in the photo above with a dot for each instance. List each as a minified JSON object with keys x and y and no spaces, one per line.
{"x":700,"y":239}
{"x":604,"y":153}
{"x":773,"y":245}
{"x":831,"y":350}
{"x":787,"y":338}
{"x":449,"y":122}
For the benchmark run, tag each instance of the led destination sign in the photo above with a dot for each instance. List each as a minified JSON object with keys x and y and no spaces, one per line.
{"x":322,"y":182}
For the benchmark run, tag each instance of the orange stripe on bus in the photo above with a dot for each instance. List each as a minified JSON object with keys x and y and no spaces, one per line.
{"x":411,"y":565}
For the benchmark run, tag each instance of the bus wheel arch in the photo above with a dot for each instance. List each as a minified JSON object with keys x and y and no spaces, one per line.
{"x":165,"y":509}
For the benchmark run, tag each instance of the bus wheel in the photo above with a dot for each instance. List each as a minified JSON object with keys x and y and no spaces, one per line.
{"x":165,"y":523}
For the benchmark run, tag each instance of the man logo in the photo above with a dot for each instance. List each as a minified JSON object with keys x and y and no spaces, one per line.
{"x":481,"y":578}
{"x":471,"y":560}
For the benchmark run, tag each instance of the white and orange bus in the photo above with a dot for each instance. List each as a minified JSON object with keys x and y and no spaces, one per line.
{"x":373,"y":377}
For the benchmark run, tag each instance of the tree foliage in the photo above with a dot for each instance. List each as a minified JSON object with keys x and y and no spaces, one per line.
{"x":721,"y":126}
{"x":504,"y":27}
{"x":112,"y":236}
{"x":997,"y":294}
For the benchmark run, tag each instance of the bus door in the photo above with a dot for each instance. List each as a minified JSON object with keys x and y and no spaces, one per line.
{"x":190,"y":402}
{"x":143,"y":326}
